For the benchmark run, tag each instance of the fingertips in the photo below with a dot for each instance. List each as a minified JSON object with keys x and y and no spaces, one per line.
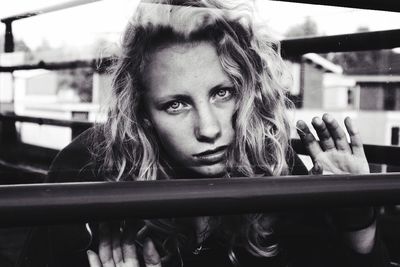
{"x":331,"y":123}
{"x":325,"y":137}
{"x":355,"y":138}
{"x":337,"y":133}
{"x":301,"y":126}
{"x":150,"y":254}
{"x":93,"y":258}
{"x":308,"y":139}
{"x":350,"y":126}
{"x":327,"y":118}
{"x":317,"y":121}
{"x":303,"y":131}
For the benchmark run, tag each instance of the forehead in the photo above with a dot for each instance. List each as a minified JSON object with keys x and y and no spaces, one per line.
{"x":183,"y":67}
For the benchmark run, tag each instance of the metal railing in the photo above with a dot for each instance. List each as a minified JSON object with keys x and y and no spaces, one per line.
{"x":82,"y":202}
{"x":384,"y":5}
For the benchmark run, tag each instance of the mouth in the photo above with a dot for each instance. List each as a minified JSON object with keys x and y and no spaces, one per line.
{"x":210,"y":157}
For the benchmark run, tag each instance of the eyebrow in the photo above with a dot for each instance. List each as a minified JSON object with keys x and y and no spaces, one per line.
{"x":172,"y":97}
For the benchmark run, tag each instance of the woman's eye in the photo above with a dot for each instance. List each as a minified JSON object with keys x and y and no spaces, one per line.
{"x":174,"y":107}
{"x":223,"y":94}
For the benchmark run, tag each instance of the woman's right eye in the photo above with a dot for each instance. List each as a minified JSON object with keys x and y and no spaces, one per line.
{"x":175,"y":107}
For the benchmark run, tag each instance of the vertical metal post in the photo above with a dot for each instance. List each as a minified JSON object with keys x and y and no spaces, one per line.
{"x":9,"y":38}
{"x":8,"y":133}
{"x":395,"y":136}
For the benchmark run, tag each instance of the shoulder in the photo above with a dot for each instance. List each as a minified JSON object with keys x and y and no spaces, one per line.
{"x":74,"y":163}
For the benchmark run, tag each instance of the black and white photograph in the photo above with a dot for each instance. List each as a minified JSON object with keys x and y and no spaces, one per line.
{"x":199,"y":133}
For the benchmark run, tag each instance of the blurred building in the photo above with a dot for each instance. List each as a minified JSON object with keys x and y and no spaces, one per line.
{"x":320,"y":84}
{"x":371,"y":99}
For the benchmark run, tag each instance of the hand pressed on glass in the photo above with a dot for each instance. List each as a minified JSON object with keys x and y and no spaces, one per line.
{"x":333,"y":153}
{"x":118,"y":249}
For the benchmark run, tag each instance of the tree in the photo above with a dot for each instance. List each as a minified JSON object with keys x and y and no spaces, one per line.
{"x":20,"y":45}
{"x":366,"y":62}
{"x":44,"y":46}
{"x":308,"y":28}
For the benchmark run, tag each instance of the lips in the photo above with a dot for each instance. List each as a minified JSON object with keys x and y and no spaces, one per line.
{"x":211,"y":157}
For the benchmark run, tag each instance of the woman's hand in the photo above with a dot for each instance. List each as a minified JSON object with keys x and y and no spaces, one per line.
{"x":333,"y":153}
{"x":118,"y":249}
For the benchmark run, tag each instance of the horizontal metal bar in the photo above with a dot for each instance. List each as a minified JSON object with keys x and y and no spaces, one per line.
{"x":341,"y":43}
{"x":46,"y":121}
{"x":290,"y":48}
{"x":386,"y":5}
{"x":95,"y":64}
{"x":79,"y":202}
{"x":48,"y":9}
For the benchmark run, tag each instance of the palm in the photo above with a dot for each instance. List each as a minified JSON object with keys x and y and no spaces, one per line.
{"x":339,"y":162}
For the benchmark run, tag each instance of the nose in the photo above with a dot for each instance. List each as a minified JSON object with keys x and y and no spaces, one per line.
{"x":208,"y":127}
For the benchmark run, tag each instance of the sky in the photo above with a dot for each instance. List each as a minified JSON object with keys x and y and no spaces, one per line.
{"x":107,"y":18}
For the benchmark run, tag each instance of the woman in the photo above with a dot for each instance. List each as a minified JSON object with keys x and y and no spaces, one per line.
{"x":200,"y":91}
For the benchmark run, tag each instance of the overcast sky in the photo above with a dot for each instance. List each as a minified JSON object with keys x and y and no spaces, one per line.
{"x":105,"y":19}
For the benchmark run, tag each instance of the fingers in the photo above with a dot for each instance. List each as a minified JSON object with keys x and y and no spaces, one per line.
{"x":150,"y":254}
{"x":114,"y":249}
{"x":330,"y":134}
{"x":130,"y":256}
{"x":105,"y":245}
{"x":94,"y":260}
{"x":308,"y":140}
{"x":116,"y":245}
{"x":129,"y":251}
{"x":323,"y":133}
{"x":355,"y":139}
{"x":337,"y":133}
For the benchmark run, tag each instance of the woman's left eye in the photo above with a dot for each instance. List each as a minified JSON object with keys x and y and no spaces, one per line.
{"x":223,"y":94}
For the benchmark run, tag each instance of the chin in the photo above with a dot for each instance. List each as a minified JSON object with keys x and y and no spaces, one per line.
{"x":211,"y":171}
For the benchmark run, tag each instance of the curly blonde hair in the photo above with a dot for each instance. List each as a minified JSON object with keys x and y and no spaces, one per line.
{"x":130,"y":150}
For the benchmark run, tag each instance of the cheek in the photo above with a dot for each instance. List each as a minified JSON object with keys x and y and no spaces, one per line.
{"x":227,"y":120}
{"x":173,"y":134}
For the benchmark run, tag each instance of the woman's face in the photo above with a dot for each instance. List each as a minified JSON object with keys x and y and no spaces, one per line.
{"x":191,"y":101}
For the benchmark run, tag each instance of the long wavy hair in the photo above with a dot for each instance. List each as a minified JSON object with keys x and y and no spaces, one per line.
{"x":128,"y":148}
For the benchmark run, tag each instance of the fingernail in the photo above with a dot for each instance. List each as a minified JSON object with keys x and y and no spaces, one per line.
{"x":328,"y":117}
{"x":301,"y":124}
{"x":89,"y":252}
{"x":147,"y":245}
{"x":351,"y":124}
{"x":317,"y":120}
